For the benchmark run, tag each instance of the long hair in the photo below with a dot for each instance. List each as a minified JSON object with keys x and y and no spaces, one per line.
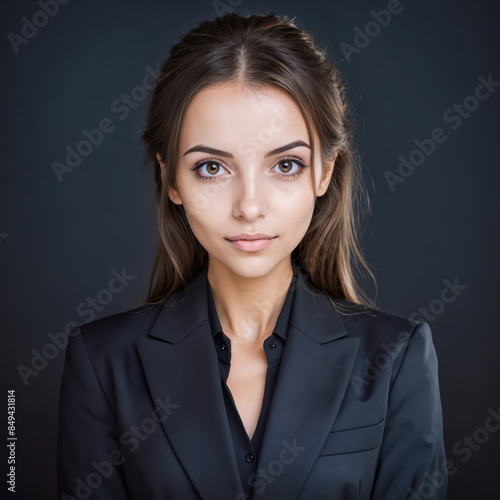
{"x":260,"y":50}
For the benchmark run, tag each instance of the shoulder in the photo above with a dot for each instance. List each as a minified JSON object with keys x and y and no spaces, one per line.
{"x":394,"y":347}
{"x":120,"y":331}
{"x":369,"y":324}
{"x":388,"y":340}
{"x":372,"y":323}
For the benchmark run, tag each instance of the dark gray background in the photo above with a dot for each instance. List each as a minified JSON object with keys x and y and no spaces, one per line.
{"x":60,"y":241}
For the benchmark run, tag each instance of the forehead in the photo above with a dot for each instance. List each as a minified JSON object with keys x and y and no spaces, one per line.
{"x":231,"y":113}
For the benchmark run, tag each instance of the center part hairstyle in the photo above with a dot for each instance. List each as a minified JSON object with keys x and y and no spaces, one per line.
{"x":259,"y":51}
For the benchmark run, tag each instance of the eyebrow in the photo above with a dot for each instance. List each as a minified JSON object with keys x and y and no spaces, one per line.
{"x":218,"y":152}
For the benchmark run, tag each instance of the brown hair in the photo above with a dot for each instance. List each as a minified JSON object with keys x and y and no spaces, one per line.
{"x":259,"y":50}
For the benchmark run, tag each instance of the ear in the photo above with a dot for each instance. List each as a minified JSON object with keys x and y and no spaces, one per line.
{"x":173,"y":194}
{"x":323,"y":186}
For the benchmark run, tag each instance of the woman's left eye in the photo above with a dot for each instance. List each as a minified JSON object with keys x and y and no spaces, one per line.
{"x":288,"y":166}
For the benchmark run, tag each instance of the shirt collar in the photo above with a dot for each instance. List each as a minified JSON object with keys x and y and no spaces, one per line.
{"x":281,"y":327}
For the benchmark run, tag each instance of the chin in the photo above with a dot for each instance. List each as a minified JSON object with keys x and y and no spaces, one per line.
{"x":248,"y":266}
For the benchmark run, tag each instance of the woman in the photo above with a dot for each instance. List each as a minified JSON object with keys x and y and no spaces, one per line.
{"x":257,"y":368}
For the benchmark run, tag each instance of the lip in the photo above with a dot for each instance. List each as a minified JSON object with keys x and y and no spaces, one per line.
{"x":251,"y":242}
{"x":254,"y":236}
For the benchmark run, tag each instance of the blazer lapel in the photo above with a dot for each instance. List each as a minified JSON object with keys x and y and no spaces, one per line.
{"x":180,"y":363}
{"x":314,"y":373}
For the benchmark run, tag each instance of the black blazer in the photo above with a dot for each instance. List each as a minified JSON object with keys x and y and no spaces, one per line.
{"x":356,"y":412}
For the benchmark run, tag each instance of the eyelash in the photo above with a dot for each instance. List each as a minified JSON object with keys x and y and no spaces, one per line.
{"x":200,"y":163}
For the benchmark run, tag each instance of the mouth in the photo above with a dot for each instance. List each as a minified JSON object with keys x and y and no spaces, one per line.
{"x":251,"y":237}
{"x":253,"y":244}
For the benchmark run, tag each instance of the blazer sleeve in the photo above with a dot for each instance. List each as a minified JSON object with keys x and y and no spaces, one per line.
{"x":412,"y":463}
{"x":89,"y":463}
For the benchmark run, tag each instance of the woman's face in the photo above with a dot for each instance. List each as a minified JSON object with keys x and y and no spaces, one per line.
{"x":244,"y":167}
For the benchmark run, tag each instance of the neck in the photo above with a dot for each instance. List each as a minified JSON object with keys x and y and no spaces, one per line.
{"x":248,"y":307}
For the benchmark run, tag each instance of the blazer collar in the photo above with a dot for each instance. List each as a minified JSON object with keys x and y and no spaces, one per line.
{"x":187,"y":308}
{"x":180,"y":363}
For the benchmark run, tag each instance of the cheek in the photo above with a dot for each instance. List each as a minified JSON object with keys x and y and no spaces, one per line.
{"x":204,"y":210}
{"x":294,"y":207}
{"x":293,"y":217}
{"x":203,"y":224}
{"x":200,"y":220}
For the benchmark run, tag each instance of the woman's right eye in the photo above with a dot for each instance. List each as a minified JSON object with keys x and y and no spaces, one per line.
{"x":209,"y":169}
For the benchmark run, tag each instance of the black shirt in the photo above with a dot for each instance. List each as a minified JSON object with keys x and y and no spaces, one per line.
{"x":247,"y":451}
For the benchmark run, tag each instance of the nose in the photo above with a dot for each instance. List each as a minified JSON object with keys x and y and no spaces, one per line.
{"x":250,"y":194}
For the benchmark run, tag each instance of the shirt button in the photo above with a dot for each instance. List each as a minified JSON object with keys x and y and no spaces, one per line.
{"x":223,"y":346}
{"x":250,"y":458}
{"x":273,"y":344}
